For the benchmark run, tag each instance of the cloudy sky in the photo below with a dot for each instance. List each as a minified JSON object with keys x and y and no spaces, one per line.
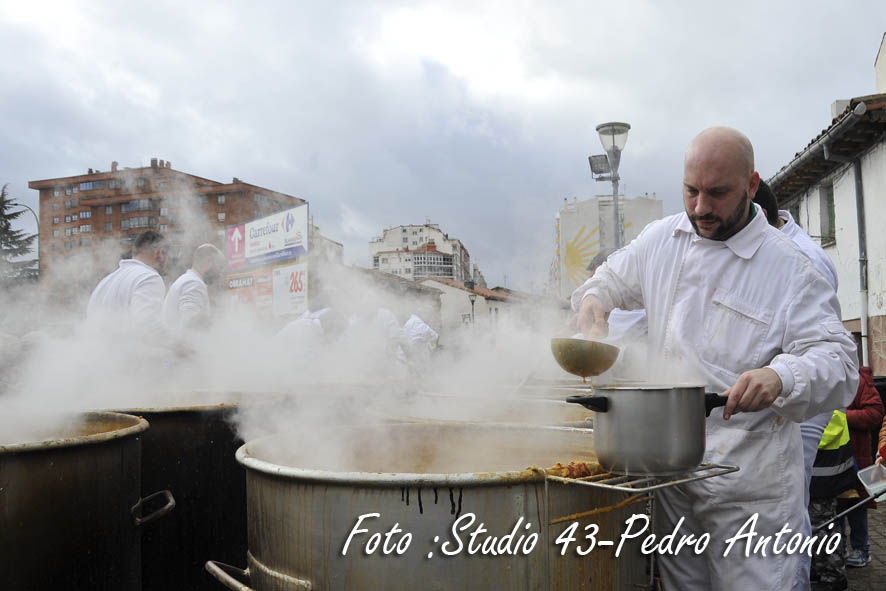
{"x":476,"y":115}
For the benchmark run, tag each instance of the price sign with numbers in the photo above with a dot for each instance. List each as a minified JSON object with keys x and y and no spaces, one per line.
{"x":290,"y":289}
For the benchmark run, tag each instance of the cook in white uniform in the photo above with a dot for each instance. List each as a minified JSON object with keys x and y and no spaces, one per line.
{"x":812,"y":429}
{"x":129,"y":301}
{"x":729,"y":294}
{"x":187,"y":303}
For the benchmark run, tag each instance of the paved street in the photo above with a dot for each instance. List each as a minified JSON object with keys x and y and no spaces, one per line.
{"x":873,"y":576}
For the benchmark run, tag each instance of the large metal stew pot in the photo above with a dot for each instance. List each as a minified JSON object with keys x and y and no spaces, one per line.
{"x":306,"y":493}
{"x":190,"y":451}
{"x":70,"y":505}
{"x":649,"y":429}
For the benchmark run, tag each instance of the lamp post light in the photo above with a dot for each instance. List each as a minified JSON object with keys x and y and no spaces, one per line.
{"x":37,"y":220}
{"x":614,"y":136}
{"x":472,"y":297}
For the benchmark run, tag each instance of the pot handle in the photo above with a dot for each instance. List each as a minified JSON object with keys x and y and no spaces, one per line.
{"x":712,"y":400}
{"x":227,"y":575}
{"x":137,"y":508}
{"x":595,"y":403}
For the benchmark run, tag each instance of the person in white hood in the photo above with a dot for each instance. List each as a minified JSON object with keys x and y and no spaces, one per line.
{"x":732,"y":296}
{"x":130,"y":300}
{"x":187,"y":303}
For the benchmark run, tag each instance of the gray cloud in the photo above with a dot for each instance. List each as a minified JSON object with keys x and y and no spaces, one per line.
{"x":477,"y":117}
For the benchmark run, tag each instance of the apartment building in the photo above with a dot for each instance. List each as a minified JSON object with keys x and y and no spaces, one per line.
{"x":419,"y":251}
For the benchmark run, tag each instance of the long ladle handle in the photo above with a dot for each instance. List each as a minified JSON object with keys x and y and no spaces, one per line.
{"x":595,"y":403}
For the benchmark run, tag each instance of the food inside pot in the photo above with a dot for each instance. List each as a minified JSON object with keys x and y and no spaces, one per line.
{"x":428,"y":449}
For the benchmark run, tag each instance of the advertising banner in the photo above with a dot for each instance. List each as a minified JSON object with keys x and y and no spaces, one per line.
{"x":277,"y":237}
{"x":290,"y":289}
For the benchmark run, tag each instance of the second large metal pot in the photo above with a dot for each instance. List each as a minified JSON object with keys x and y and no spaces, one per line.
{"x":649,"y":429}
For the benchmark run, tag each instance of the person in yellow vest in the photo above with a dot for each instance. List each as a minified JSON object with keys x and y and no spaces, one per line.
{"x":833,"y":473}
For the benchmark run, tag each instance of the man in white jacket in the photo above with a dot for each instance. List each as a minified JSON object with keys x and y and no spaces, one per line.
{"x":129,"y":300}
{"x":187,"y":303}
{"x":732,"y":296}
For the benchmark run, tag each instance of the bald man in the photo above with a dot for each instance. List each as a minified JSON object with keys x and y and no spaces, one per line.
{"x":187,"y":302}
{"x":733,"y":298}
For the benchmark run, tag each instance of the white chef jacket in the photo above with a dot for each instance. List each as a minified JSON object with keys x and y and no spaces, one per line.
{"x":186,"y":301}
{"x":129,"y":299}
{"x":809,"y":246}
{"x":752,"y":301}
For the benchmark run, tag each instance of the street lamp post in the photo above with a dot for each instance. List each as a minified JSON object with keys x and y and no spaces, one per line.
{"x":472,"y":297}
{"x":37,"y":220}
{"x":613,"y":136}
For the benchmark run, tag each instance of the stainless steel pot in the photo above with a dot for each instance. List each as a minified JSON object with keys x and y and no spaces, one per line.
{"x":305,"y":494}
{"x":649,"y":429}
{"x":70,"y":506}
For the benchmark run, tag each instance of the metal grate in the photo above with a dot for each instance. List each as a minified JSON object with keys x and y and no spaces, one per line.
{"x":643,"y":483}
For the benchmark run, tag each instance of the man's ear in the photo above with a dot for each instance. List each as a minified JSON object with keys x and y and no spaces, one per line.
{"x":753,"y":184}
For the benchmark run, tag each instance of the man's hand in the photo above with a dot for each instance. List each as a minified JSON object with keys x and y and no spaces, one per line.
{"x":592,"y":318}
{"x":755,"y":390}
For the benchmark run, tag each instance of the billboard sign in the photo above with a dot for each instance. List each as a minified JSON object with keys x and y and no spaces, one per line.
{"x":278,"y":237}
{"x":290,"y":289}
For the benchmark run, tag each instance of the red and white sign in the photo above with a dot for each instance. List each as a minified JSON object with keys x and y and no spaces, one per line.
{"x":290,"y":290}
{"x":236,"y":246}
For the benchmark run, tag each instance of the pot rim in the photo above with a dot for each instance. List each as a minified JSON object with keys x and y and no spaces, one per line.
{"x":138,"y":426}
{"x":398,"y":479}
{"x":646,"y":386}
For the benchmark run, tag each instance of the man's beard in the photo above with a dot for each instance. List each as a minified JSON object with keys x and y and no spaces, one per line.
{"x":728,"y":227}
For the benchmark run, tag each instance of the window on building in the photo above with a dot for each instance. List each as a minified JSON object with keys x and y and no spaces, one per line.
{"x":109,"y":227}
{"x":140,"y":182}
{"x":85,"y":228}
{"x":109,"y":209}
{"x":69,"y":245}
{"x":114,"y":184}
{"x":221,"y":216}
{"x":67,"y":219}
{"x":262,"y":200}
{"x":74,"y":189}
{"x":75,"y":202}
{"x":56,"y":233}
{"x":55,"y":206}
{"x":164,"y":227}
{"x":55,"y":219}
{"x":164,"y":211}
{"x":826,"y":213}
{"x":405,"y":240}
{"x":375,"y":262}
{"x":56,"y":192}
{"x":221,"y":199}
{"x":84,"y":242}
{"x":163,"y":185}
{"x":204,"y":200}
{"x":86,"y":214}
{"x":75,"y":230}
{"x":135,"y":205}
{"x":68,"y":190}
{"x":414,"y":243}
{"x":138,"y":222}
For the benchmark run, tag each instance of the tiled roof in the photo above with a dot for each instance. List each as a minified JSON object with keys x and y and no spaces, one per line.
{"x":866,"y":133}
{"x":481,"y":291}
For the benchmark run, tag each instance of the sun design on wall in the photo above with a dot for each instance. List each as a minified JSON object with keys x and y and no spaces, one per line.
{"x":579,"y":252}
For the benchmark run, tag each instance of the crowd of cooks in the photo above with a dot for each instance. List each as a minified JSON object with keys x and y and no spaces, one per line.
{"x":739,"y":290}
{"x":134,"y":300}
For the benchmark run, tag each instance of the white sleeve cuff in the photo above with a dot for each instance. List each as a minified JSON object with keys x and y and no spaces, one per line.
{"x":787,"y":380}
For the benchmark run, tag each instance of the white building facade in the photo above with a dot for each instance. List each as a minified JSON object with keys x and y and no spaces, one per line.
{"x":584,"y":229}
{"x":419,"y":251}
{"x":836,"y":190}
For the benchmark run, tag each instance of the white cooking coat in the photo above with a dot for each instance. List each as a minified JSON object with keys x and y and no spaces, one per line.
{"x":129,"y":300}
{"x":186,"y":302}
{"x":752,"y":301}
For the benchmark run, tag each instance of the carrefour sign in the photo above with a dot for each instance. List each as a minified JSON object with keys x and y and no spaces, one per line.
{"x":277,"y":237}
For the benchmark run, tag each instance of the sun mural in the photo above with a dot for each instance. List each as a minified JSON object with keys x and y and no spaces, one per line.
{"x":579,"y":252}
